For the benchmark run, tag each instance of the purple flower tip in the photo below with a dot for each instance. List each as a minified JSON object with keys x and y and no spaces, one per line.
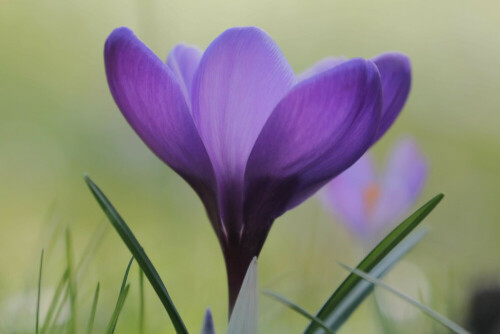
{"x":208,"y":323}
{"x":249,"y":139}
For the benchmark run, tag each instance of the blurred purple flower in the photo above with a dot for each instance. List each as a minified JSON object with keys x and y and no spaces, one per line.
{"x":250,"y":139}
{"x":368,"y":203}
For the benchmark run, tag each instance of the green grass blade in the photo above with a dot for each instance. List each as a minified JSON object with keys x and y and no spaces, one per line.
{"x":51,"y":230}
{"x":112,"y":325}
{"x":71,"y":284}
{"x":298,"y":309}
{"x":359,"y":293}
{"x":140,"y":255}
{"x":58,"y":310}
{"x":118,"y":309}
{"x":372,"y":260}
{"x":424,"y":308}
{"x":37,"y":321}
{"x":90,"y":249}
{"x":141,"y":302}
{"x":93,"y":310}
{"x":55,"y":301}
{"x":125,"y":277}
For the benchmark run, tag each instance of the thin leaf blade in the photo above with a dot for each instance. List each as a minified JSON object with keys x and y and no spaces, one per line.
{"x":112,"y":324}
{"x":57,"y":303}
{"x":93,"y":310}
{"x":71,"y":284}
{"x":356,"y":296}
{"x":298,"y":309}
{"x":372,"y":259}
{"x":118,"y":309}
{"x":38,"y":296}
{"x":424,"y":308}
{"x":140,"y":255}
{"x":142,"y":323}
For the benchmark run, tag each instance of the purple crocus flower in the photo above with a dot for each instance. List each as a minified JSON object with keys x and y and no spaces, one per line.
{"x":367,"y":202}
{"x":237,"y":125}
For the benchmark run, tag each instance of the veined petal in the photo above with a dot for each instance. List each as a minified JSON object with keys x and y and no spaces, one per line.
{"x":321,"y":66}
{"x":353,"y":195}
{"x":149,"y":96}
{"x":403,"y":182}
{"x":395,"y":71}
{"x":317,"y":131}
{"x":240,"y":79}
{"x":183,"y":60}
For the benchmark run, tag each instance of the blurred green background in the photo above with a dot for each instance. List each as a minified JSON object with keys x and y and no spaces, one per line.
{"x":58,"y":120}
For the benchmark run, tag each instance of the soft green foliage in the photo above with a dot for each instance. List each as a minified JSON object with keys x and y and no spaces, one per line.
{"x":244,"y":317}
{"x":39,"y":294}
{"x":118,"y":308}
{"x":122,"y":296}
{"x":427,"y":310}
{"x":142,"y":323}
{"x":95,"y":300}
{"x":62,"y":291}
{"x":71,"y":284}
{"x":357,"y":295}
{"x":139,"y":254}
{"x":369,"y":263}
{"x":383,"y":257}
{"x":70,"y":325}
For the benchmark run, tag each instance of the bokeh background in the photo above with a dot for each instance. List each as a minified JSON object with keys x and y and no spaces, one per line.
{"x":58,"y":120}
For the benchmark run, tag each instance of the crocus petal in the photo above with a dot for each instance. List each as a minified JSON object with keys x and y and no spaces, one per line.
{"x":346,"y":195}
{"x":404,"y":179}
{"x":395,"y":71}
{"x":149,"y":96}
{"x":321,"y":66}
{"x":241,"y":78}
{"x":318,"y":130}
{"x":183,"y":60}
